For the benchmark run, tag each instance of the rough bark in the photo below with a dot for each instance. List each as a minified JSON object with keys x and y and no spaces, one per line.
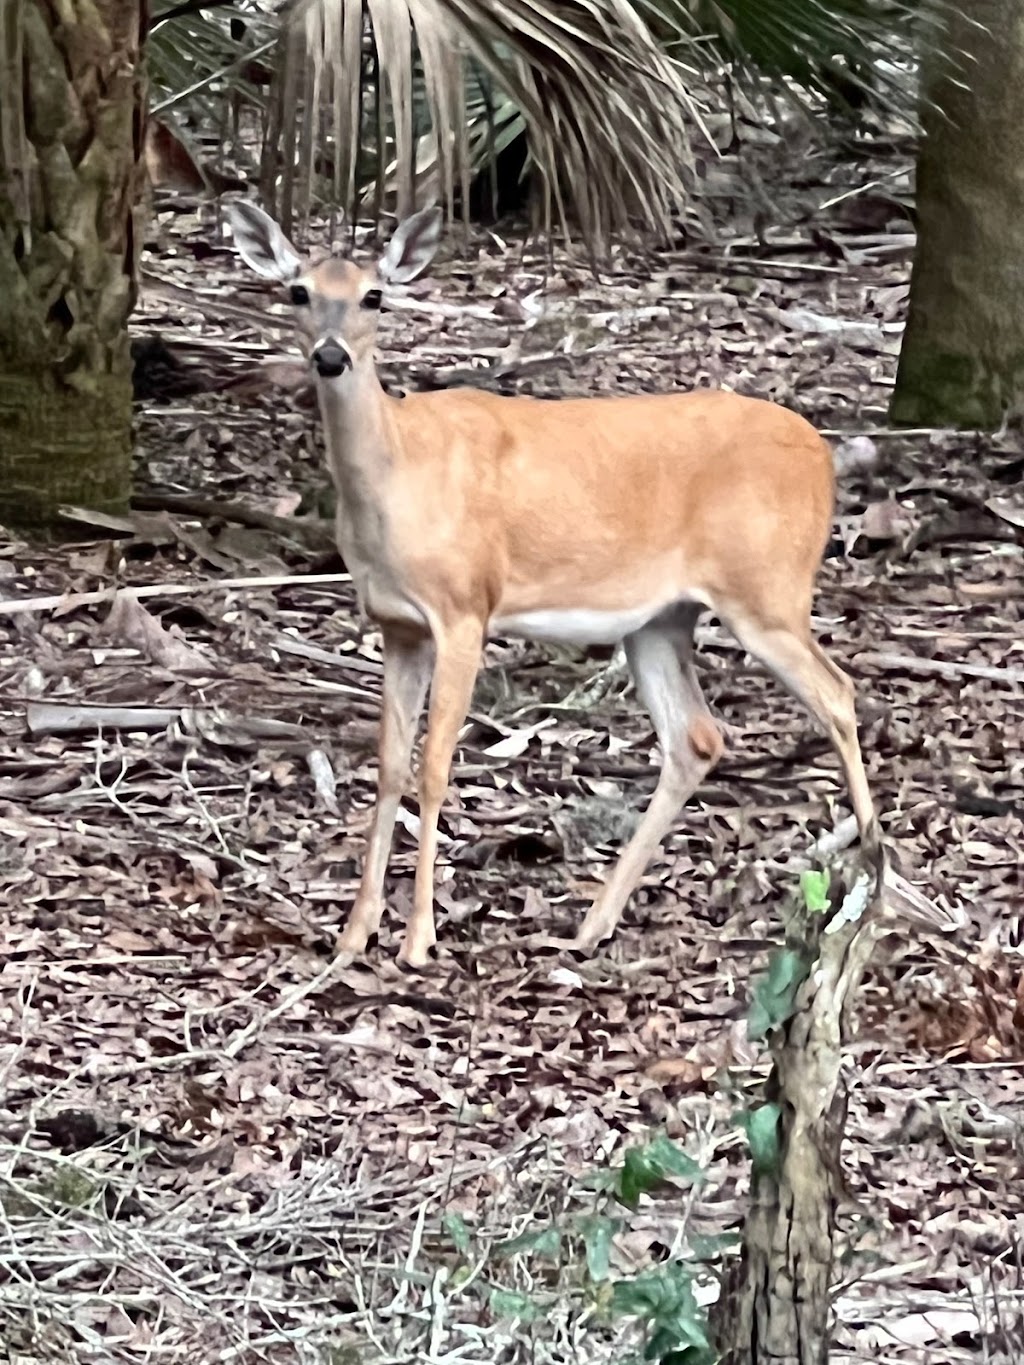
{"x":775,"y":1308}
{"x":71,"y":112}
{"x":962,"y":362}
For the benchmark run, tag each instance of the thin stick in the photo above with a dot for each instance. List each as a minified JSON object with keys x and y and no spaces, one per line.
{"x":69,"y":601}
{"x":245,"y":1036}
{"x":942,"y":668}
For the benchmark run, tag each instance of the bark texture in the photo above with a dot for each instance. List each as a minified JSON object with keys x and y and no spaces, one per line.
{"x":71,"y":112}
{"x":962,"y":362}
{"x":775,"y":1308}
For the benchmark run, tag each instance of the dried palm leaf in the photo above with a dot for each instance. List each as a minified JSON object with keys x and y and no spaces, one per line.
{"x":606,"y":111}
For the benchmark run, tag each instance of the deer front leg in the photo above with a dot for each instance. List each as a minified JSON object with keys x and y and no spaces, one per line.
{"x":455,"y":670}
{"x":407,"y":662}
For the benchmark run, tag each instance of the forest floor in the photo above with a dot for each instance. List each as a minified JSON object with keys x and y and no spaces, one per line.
{"x":201,"y":1153}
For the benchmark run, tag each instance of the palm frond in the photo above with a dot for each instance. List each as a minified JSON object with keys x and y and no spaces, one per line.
{"x":604,"y":107}
{"x":842,"y":51}
{"x":388,"y":103}
{"x":200,"y":54}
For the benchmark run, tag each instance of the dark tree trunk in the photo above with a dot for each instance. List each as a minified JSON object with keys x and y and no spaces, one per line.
{"x":71,"y":115}
{"x":962,"y":362}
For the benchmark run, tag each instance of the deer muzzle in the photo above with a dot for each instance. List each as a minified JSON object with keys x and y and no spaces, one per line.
{"x":331,"y":358}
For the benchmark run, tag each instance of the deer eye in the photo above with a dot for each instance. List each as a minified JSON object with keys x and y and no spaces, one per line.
{"x":371,"y":299}
{"x":299,"y":295}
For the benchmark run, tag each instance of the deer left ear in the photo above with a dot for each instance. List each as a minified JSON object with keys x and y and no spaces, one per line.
{"x":412,"y":247}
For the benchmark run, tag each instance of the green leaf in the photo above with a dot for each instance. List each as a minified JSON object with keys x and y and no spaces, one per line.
{"x":602,"y":1179}
{"x":636,"y":1298}
{"x":645,"y":1168}
{"x":691,"y":1355}
{"x":545,"y":1241}
{"x":656,"y":1293}
{"x":775,"y":992}
{"x":678,"y":1338}
{"x":761,"y":1126}
{"x":506,"y":1303}
{"x":635,"y":1177}
{"x":598,"y":1232}
{"x":455,"y":1227}
{"x":672,"y":1159}
{"x":814,"y":886}
{"x":663,"y":1298}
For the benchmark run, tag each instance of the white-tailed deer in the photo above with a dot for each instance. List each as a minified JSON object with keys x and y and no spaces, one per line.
{"x":593,"y":520}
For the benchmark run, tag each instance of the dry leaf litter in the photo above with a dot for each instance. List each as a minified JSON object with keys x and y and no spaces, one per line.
{"x":210,"y":1142}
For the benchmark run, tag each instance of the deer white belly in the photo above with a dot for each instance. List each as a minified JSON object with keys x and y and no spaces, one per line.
{"x":577,"y":625}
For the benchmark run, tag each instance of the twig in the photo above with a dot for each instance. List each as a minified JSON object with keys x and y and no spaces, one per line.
{"x":942,"y":668}
{"x":883,"y":433}
{"x":355,"y":663}
{"x":245,"y":1036}
{"x":71,"y":600}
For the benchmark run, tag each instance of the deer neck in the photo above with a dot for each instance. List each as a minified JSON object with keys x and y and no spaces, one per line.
{"x":358,"y":437}
{"x":359,"y":434}
{"x":355,"y":424}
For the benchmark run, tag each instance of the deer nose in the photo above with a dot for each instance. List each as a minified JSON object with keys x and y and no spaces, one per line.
{"x":331,"y":358}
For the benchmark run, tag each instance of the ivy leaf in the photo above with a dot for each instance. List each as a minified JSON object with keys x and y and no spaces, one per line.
{"x":454,"y":1225}
{"x":545,"y":1241}
{"x":775,"y":992}
{"x":672,"y":1159}
{"x":645,"y":1168}
{"x":682,"y":1339}
{"x":814,"y":887}
{"x":664,"y":1299}
{"x":597,"y":1239}
{"x":761,"y":1126}
{"x":505,"y":1303}
{"x":636,"y":1298}
{"x":690,"y":1355}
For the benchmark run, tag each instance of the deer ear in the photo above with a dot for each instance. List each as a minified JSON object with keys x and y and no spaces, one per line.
{"x":261,"y":243}
{"x":412,"y":247}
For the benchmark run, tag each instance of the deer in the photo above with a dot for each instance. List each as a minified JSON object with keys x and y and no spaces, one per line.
{"x":464,"y":515}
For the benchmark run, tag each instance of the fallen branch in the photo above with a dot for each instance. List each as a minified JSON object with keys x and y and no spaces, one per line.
{"x":942,"y":668}
{"x":56,"y":718}
{"x":315,"y":532}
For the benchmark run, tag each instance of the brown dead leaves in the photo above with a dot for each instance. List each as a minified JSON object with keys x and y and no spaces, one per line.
{"x":178,"y":859}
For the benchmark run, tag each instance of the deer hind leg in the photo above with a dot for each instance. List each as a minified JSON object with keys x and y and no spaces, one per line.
{"x":457,"y":663}
{"x":806,"y":671}
{"x":407,"y":664}
{"x":660,"y":658}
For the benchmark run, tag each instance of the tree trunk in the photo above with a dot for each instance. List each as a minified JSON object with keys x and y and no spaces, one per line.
{"x":962,"y":362}
{"x":71,"y":116}
{"x":775,"y":1308}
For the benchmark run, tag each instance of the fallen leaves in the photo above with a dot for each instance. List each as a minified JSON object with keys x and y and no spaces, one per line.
{"x":184,"y":793}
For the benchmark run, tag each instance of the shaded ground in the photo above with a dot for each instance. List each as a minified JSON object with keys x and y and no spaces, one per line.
{"x":195,"y":1158}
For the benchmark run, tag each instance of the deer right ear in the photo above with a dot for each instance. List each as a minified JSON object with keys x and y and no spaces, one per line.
{"x":261,"y":243}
